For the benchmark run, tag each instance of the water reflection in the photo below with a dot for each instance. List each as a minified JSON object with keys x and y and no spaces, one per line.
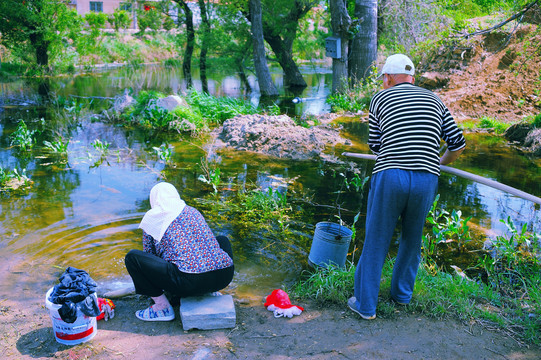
{"x":85,"y":212}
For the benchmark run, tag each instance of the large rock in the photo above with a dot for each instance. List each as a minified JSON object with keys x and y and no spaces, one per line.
{"x":277,"y":136}
{"x":533,"y":141}
{"x":171,"y":102}
{"x":433,"y":80}
{"x":517,"y":132}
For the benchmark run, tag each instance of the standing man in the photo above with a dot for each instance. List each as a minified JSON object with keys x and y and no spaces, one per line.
{"x":407,"y":124}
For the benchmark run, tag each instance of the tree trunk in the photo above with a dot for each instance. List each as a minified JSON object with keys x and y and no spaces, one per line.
{"x":41,"y":47}
{"x":204,"y":45}
{"x":364,"y":44}
{"x":281,"y":41}
{"x":340,"y":24}
{"x":190,"y":32}
{"x":284,"y":53}
{"x":266,"y":86}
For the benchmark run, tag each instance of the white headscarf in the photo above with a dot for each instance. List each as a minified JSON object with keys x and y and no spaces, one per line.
{"x":165,"y":205}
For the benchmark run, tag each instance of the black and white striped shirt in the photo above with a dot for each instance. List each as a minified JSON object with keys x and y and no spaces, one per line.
{"x":407,"y":124}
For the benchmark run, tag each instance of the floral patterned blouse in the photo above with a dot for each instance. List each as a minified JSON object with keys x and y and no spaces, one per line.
{"x":189,"y":244}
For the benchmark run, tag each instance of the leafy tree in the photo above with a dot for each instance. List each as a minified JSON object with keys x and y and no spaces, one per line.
{"x":232,"y":39}
{"x":280,"y":21}
{"x":280,"y":25}
{"x":119,"y":19}
{"x":37,"y":27}
{"x":149,"y":17}
{"x":96,"y":21}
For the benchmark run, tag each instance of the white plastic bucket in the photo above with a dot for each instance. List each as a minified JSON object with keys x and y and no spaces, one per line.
{"x":83,"y":329}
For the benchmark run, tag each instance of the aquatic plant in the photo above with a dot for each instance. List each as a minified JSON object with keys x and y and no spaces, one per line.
{"x":188,"y":119}
{"x":513,"y":261}
{"x":57,"y":146}
{"x":4,"y":177}
{"x":13,"y":180}
{"x":164,"y":152}
{"x":355,"y":184}
{"x":211,"y":173}
{"x":267,"y":201}
{"x":265,"y":208}
{"x":146,"y":112}
{"x":446,"y":229}
{"x":23,"y":137}
{"x":155,"y":116}
{"x":101,"y":147}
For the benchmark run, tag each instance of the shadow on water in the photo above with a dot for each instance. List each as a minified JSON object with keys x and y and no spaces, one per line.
{"x":84,"y":212}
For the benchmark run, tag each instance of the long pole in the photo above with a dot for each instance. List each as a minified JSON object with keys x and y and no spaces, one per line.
{"x":469,"y":176}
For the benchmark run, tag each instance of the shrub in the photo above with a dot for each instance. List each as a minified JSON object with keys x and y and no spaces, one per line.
{"x":358,"y":97}
{"x":119,"y":19}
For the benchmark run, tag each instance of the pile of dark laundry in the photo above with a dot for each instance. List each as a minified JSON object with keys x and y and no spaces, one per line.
{"x":73,"y":293}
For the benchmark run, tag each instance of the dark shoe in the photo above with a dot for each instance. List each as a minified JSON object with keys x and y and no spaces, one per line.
{"x":352,"y":302}
{"x":398,"y":302}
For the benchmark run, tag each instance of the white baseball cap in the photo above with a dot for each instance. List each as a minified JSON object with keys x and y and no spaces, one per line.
{"x":398,"y":64}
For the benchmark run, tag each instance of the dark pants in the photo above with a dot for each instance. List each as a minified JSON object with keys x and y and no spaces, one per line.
{"x":152,"y":275}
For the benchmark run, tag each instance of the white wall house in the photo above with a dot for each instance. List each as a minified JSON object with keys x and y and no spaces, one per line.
{"x":109,"y":6}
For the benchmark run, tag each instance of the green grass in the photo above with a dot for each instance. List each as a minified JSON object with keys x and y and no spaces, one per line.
{"x":497,"y":126}
{"x":535,"y":121}
{"x":219,"y":109}
{"x":327,"y":285}
{"x":509,"y":297}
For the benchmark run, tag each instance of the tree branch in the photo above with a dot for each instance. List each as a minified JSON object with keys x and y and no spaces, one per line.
{"x":517,"y":15}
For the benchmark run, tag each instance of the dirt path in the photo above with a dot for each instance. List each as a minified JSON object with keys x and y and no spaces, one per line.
{"x":333,"y":333}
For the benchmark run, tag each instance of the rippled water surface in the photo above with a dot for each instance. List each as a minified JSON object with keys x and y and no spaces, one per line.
{"x":85,"y":212}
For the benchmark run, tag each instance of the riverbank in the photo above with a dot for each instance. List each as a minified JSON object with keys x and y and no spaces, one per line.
{"x":318,"y":333}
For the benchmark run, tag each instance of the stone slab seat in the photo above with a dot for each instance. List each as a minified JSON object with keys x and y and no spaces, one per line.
{"x":207,"y":312}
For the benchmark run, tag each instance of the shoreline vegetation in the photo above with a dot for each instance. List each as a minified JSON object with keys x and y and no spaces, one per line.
{"x":500,"y":291}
